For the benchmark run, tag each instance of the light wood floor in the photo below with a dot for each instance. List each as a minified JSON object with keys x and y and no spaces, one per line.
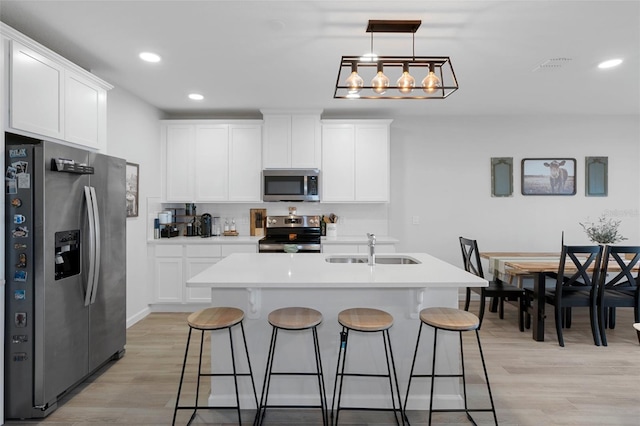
{"x":533,"y":383}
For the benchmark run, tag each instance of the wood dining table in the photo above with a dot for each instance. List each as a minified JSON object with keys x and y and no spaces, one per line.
{"x":535,"y":265}
{"x":527,"y":264}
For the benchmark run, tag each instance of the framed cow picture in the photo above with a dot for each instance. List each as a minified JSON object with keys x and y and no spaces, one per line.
{"x":549,"y":176}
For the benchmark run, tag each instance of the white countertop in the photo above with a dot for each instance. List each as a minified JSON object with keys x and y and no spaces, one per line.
{"x":358,"y":239}
{"x":246,"y":239}
{"x":240,"y":239}
{"x":281,"y":270}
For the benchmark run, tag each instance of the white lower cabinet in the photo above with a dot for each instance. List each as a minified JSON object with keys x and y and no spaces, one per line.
{"x":175,"y":264}
{"x":197,"y":259}
{"x":168,"y":274}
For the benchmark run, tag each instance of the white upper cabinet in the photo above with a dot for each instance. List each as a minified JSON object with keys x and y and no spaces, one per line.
{"x":85,"y":111}
{"x":338,"y":163}
{"x":291,"y":140}
{"x":36,"y":103}
{"x":245,"y":163}
{"x":52,"y":97}
{"x":178,"y":156}
{"x":355,"y":161}
{"x":211,"y":177}
{"x":211,"y":161}
{"x":372,"y":165}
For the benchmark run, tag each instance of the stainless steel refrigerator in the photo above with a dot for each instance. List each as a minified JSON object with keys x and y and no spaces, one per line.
{"x":65,"y":270}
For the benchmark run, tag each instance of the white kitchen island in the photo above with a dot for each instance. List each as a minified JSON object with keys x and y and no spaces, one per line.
{"x":260,"y":283}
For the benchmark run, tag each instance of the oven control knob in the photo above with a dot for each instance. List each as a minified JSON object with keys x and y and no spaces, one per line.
{"x":272,"y":221}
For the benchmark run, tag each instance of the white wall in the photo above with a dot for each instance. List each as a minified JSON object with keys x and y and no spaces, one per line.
{"x":441,"y":172}
{"x":134,"y":134}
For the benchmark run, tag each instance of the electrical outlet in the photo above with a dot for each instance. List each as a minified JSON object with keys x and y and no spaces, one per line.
{"x":415,"y":220}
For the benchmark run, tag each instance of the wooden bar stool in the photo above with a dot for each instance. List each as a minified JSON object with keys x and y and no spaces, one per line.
{"x":457,"y":320}
{"x":211,"y":319}
{"x":366,"y":320}
{"x":293,"y":318}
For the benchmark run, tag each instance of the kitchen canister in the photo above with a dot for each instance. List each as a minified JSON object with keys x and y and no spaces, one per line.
{"x":332,"y":229}
{"x":165,"y":217}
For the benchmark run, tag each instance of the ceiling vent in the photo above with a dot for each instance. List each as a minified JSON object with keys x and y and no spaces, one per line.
{"x":552,"y":64}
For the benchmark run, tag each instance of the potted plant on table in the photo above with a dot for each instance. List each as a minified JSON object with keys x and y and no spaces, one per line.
{"x":604,"y":231}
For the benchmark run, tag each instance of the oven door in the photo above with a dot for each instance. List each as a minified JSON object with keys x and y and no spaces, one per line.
{"x":276,"y":247}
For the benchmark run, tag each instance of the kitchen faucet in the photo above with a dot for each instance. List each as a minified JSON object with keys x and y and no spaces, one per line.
{"x":372,"y":249}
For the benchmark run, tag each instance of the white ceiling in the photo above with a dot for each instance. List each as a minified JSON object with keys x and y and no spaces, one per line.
{"x":247,"y":55}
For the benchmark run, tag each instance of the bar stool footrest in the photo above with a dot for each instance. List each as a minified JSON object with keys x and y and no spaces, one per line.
{"x":397,"y":410}
{"x":292,"y":406}
{"x":224,"y":374}
{"x":207,"y":407}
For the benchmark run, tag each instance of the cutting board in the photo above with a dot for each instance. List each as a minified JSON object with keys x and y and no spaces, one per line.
{"x":257,"y":222}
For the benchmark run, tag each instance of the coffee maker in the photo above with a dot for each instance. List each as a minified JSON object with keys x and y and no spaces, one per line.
{"x":206,"y":225}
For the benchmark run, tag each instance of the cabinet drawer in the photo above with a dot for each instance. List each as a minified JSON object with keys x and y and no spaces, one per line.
{"x":239,"y":248}
{"x":169,"y":250}
{"x":204,"y":250}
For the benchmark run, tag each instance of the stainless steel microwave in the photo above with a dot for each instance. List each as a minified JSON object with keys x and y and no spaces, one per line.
{"x":291,"y":185}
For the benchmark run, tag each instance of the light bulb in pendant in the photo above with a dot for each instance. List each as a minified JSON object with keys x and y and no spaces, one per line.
{"x":431,"y":82}
{"x":354,"y":81}
{"x":406,"y":82}
{"x":380,"y":82}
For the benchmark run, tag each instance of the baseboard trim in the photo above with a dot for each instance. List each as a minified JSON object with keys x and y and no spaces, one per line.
{"x":138,"y":316}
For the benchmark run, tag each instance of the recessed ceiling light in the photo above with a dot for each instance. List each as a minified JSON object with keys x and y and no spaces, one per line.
{"x":149,"y":57}
{"x":610,"y":63}
{"x":196,"y":96}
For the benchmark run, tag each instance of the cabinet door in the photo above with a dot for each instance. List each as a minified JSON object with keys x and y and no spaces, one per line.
{"x":36,"y":90}
{"x":305,"y":141}
{"x":211,"y":163}
{"x":245,"y":160}
{"x":338,"y":163}
{"x":372,"y":162}
{"x":194,"y":267}
{"x":277,"y":141}
{"x":169,"y":279}
{"x":178,"y":164}
{"x":85,"y":112}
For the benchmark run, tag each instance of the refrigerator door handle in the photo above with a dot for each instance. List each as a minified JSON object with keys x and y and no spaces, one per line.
{"x":92,"y":245}
{"x":96,"y":273}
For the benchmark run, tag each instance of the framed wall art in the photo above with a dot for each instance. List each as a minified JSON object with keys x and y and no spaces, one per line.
{"x":549,"y":176}
{"x":596,"y":176}
{"x":501,"y":176}
{"x":132,"y":189}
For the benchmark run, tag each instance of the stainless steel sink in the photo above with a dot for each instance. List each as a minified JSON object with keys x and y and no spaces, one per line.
{"x":380,"y":259}
{"x":397,"y":260}
{"x":345,"y":259}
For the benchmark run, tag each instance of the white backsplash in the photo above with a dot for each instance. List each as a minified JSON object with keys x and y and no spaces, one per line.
{"x":353,"y":219}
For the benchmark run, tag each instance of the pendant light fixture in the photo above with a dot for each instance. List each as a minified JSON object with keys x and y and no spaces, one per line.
{"x":354,"y":81}
{"x":406,"y":82}
{"x":431,"y":82}
{"x":439,"y":79}
{"x":380,"y":82}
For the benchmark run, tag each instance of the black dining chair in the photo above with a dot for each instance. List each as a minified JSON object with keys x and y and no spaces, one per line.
{"x":496,"y":288}
{"x":618,"y":288}
{"x":576,"y":286}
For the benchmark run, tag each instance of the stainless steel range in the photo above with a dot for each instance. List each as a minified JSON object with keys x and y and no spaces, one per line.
{"x":291,"y":234}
